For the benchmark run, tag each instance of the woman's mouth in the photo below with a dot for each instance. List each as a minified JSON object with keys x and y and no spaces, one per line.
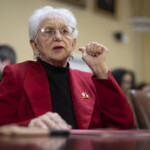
{"x":58,"y":48}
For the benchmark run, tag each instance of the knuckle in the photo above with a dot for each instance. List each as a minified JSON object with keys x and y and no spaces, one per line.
{"x":106,"y":49}
{"x":37,"y":120}
{"x":33,"y":122}
{"x":55,"y":114}
{"x":48,"y":113}
{"x":43,"y":118}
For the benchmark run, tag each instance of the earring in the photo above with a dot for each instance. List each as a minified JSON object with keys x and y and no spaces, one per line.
{"x":70,"y":58}
{"x":39,"y":55}
{"x":34,"y":56}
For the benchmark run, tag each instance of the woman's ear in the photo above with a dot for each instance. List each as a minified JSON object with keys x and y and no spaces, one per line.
{"x":34,"y":46}
{"x":73,"y":44}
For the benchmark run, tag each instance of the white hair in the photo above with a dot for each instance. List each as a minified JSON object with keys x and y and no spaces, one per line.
{"x":48,"y":12}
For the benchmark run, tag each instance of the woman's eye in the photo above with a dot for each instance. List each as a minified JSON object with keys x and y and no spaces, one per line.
{"x":65,"y":31}
{"x":49,"y":31}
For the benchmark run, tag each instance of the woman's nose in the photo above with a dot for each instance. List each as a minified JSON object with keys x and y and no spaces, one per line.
{"x":57,"y":36}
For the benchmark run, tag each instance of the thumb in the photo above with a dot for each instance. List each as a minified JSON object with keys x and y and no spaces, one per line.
{"x":82,"y":49}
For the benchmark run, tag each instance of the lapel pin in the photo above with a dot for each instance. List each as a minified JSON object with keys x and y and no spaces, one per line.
{"x":84,"y":95}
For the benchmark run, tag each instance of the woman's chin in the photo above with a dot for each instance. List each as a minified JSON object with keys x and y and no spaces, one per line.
{"x":58,"y":61}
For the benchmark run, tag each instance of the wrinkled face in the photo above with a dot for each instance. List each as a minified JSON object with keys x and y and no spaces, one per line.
{"x":126,"y":82}
{"x":53,"y":48}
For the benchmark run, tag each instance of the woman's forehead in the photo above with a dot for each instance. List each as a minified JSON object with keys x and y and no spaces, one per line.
{"x":54,"y":21}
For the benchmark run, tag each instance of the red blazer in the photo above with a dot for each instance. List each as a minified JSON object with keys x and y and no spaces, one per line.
{"x":25,"y":94}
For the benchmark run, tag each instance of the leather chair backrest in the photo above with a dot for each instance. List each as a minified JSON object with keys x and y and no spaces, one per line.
{"x":141,"y":102}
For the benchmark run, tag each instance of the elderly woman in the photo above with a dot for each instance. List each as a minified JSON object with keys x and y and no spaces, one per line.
{"x":48,"y":94}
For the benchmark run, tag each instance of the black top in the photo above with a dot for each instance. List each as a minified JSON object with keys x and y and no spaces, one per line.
{"x":60,"y":92}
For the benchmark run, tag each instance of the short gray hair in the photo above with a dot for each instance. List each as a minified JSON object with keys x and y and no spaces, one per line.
{"x":47,"y":12}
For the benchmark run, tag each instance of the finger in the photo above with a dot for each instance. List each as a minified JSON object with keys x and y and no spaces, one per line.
{"x":88,"y":49}
{"x":97,"y":48}
{"x":56,"y":117}
{"x":82,"y":49}
{"x":92,"y":49}
{"x":54,"y":121}
{"x":57,"y":120}
{"x":38,"y":123}
{"x":50,"y":123}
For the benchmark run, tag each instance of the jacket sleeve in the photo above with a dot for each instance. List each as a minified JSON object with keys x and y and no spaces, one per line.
{"x":9,"y":98}
{"x":113,"y":105}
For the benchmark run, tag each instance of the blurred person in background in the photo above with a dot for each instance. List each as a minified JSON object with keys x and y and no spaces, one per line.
{"x":7,"y":57}
{"x":125,"y":78}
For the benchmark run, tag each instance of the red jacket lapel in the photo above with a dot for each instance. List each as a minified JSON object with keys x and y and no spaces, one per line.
{"x":83,"y":107}
{"x":37,"y":89}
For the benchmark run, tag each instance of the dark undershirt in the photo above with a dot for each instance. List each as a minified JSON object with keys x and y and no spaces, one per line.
{"x":60,"y":92}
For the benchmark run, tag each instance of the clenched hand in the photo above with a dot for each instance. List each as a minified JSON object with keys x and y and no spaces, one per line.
{"x":49,"y":120}
{"x":94,"y":55}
